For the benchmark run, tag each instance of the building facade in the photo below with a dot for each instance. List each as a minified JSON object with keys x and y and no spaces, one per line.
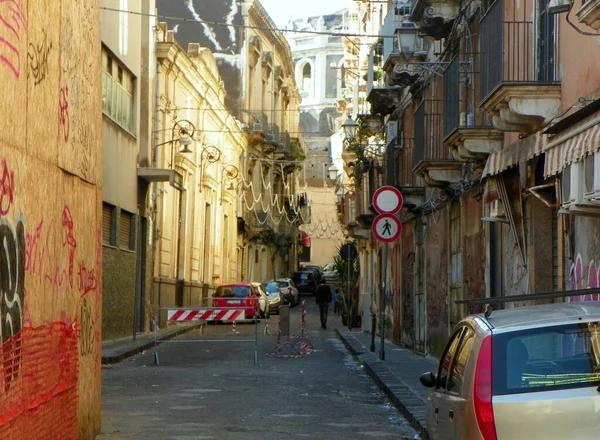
{"x":493,"y":148}
{"x":199,"y":146}
{"x":127,"y":77}
{"x":255,"y":64}
{"x":50,"y":220}
{"x":320,"y":74}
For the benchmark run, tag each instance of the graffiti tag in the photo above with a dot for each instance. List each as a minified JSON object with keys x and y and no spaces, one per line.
{"x":63,"y":115}
{"x":38,"y":60}
{"x":7,"y":188}
{"x":12,"y":23}
{"x":12,"y":297}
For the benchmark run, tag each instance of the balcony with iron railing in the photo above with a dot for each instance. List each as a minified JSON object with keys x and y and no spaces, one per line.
{"x":518,"y":83}
{"x":258,"y":220}
{"x":468,"y":132}
{"x":435,"y":18}
{"x":431,"y":160}
{"x":410,"y":184}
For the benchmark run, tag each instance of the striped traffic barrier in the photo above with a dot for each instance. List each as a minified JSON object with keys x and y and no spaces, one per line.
{"x":208,"y":314}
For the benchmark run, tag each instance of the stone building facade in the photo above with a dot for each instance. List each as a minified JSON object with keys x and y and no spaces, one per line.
{"x":497,"y":164}
{"x":255,"y":64}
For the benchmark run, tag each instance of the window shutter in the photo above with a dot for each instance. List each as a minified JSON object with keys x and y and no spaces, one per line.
{"x":106,"y":223}
{"x":125,"y":230}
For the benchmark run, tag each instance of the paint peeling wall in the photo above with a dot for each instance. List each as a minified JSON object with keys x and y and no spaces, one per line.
{"x":50,"y":196}
{"x":225,"y":42}
{"x":407,"y":289}
{"x":436,"y":243}
{"x":473,"y":248}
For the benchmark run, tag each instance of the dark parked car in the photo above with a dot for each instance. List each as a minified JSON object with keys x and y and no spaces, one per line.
{"x":316,"y":270}
{"x":305,"y":282}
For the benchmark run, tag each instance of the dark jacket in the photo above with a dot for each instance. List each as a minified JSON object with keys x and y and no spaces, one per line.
{"x":323,"y":294}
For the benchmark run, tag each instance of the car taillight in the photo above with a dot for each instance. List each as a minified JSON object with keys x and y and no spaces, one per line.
{"x":482,"y":391}
{"x":289,"y":290}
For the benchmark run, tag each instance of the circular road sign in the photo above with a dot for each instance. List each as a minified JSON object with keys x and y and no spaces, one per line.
{"x":387,"y":200}
{"x":348,"y":252}
{"x":386,"y":227}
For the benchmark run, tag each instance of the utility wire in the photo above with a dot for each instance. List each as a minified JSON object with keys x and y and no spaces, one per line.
{"x":216,"y":23}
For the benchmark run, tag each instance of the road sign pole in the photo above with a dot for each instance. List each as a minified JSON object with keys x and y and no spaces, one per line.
{"x":383,"y":298}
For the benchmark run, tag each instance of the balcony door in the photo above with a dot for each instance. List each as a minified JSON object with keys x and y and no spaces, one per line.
{"x":546,"y":44}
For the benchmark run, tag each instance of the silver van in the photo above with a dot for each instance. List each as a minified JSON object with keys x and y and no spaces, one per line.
{"x":525,"y":373}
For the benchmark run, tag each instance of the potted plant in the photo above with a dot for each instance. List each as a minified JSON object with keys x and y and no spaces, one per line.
{"x":348,"y":277}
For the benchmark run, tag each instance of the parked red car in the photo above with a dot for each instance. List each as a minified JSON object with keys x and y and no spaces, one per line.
{"x":242,"y":295}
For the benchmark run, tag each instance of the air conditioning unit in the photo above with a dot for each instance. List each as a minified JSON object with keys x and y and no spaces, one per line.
{"x":391,"y":132}
{"x":257,"y":126}
{"x":573,"y":189}
{"x":591,"y":178}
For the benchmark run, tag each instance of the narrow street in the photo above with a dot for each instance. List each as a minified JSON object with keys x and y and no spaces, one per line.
{"x":214,"y":390}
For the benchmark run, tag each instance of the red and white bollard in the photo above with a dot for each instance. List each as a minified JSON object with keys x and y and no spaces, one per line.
{"x":234,"y":329}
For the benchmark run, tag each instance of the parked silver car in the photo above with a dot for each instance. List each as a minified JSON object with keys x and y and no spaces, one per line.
{"x":525,"y":373}
{"x":330,"y":272}
{"x":274,"y":296}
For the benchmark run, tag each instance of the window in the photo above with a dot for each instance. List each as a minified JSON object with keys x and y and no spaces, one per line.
{"x":306,"y":76}
{"x":546,"y":43}
{"x":109,"y":221}
{"x":118,"y":86}
{"x":447,"y":359}
{"x":547,"y":358}
{"x":460,"y":361}
{"x":126,"y":231}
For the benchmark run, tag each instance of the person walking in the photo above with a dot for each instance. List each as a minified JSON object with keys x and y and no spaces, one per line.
{"x":323,"y":298}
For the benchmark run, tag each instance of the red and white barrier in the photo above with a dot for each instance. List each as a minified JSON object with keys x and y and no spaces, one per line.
{"x":187,"y":315}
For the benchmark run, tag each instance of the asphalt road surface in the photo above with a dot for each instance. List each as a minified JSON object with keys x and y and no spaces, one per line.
{"x":214,"y":390}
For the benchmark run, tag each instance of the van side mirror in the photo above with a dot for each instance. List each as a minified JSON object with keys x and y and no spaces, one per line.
{"x":427,"y":379}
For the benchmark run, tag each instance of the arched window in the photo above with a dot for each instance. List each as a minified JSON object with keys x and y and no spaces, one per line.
{"x":306,"y":76}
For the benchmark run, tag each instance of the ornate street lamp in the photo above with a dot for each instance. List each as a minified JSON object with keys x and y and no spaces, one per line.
{"x":350,"y":128}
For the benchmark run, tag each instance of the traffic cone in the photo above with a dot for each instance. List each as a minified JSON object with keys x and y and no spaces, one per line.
{"x":234,"y":330}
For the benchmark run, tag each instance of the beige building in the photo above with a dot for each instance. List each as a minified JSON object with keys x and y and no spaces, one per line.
{"x":270,"y":100}
{"x":255,"y":64}
{"x":199,"y":146}
{"x":325,"y":230}
{"x":127,"y":75}
{"x":50,"y":220}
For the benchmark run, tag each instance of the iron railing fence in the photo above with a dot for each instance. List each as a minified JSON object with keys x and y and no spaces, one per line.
{"x":507,"y":52}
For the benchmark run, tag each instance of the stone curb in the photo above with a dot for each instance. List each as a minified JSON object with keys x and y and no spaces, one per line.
{"x":408,"y":403}
{"x":143,"y":346}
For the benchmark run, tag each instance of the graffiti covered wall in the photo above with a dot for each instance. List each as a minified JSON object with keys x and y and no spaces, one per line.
{"x":584,"y":269}
{"x":50,"y":195}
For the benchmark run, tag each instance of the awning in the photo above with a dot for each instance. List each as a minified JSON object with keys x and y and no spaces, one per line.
{"x":161,"y":175}
{"x":517,"y":152}
{"x":305,"y":239}
{"x":582,"y":139}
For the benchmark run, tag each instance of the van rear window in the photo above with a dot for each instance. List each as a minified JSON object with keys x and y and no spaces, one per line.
{"x":548,"y":358}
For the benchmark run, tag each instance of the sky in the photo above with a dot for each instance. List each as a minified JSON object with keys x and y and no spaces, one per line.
{"x":280,"y":11}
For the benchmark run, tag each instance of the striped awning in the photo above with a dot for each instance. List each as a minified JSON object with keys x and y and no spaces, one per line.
{"x":518,"y":152}
{"x":582,"y":139}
